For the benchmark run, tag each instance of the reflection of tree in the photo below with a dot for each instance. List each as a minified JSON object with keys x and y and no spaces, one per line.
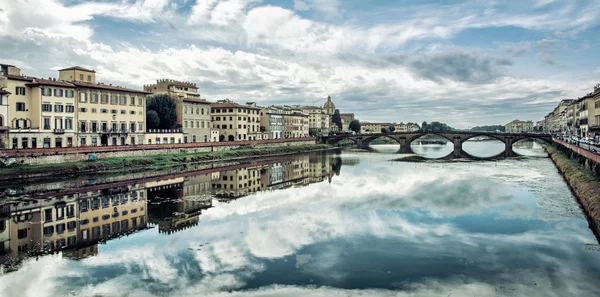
{"x":337,"y":165}
{"x":160,"y":204}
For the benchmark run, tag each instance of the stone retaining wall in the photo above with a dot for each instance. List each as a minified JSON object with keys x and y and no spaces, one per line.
{"x":54,"y":156}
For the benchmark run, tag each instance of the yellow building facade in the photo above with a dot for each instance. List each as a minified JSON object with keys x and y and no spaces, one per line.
{"x":235,"y":122}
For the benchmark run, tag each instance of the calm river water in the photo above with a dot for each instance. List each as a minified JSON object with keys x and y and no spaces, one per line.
{"x":347,"y":223}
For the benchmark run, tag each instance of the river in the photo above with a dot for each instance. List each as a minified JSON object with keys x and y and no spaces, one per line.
{"x":340,"y":223}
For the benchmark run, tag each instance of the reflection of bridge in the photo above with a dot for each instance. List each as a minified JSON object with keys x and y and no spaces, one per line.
{"x":456,"y":137}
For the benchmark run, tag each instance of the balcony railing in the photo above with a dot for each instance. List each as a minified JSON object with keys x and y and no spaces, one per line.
{"x":165,"y":131}
{"x":59,"y":131}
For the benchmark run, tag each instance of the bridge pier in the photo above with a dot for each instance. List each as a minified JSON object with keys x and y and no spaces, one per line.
{"x":404,"y":146}
{"x":457,"y":152}
{"x":508,"y":152}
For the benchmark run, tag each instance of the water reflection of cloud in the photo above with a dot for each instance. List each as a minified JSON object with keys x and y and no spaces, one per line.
{"x":231,"y":244}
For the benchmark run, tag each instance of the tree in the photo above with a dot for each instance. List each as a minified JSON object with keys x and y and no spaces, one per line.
{"x":424,"y":126}
{"x":354,"y":126}
{"x":152,"y":120}
{"x":337,"y":119}
{"x":392,"y":128}
{"x":165,"y":109}
{"x":384,"y":130}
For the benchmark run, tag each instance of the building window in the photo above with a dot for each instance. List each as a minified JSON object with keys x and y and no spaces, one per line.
{"x":94,"y":98}
{"x":104,"y":110}
{"x":48,"y":215}
{"x":123,"y":100}
{"x":22,"y":233}
{"x":20,"y":106}
{"x":123,"y":111}
{"x":69,"y":124}
{"x":20,"y":90}
{"x":113,"y":111}
{"x":94,"y":110}
{"x":113,"y":99}
{"x":46,"y":107}
{"x":70,"y":108}
{"x":81,"y":77}
{"x":46,"y":123}
{"x":140,"y":102}
{"x":70,"y":211}
{"x":72,"y":225}
{"x":69,"y":93}
{"x":60,"y":228}
{"x":46,"y":92}
{"x":58,"y":92}
{"x":89,"y":78}
{"x":82,"y":109}
{"x":132,"y":112}
{"x":58,"y":108}
{"x":104,"y":98}
{"x":48,"y":231}
{"x":186,"y":124}
{"x":58,"y":124}
{"x":82,"y":97}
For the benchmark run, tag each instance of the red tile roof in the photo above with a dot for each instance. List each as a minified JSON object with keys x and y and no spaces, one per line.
{"x":196,"y":100}
{"x":19,"y":77}
{"x":78,"y":68}
{"x":106,"y":87}
{"x":45,"y":82}
{"x":5,"y":92}
{"x":231,"y":104}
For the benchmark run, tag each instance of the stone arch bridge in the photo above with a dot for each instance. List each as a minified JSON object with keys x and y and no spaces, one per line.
{"x":455,"y":137}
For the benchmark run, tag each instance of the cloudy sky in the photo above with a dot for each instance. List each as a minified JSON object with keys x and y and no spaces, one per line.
{"x":461,"y":62}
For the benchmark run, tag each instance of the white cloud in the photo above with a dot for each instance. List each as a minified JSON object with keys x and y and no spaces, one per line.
{"x":219,"y":13}
{"x":244,"y":48}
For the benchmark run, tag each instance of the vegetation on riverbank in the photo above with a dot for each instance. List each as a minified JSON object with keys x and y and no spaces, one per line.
{"x":584,"y":185}
{"x":156,"y":161}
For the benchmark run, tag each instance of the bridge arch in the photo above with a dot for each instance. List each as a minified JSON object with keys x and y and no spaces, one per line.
{"x":418,"y":135}
{"x":438,"y":153}
{"x":337,"y":140}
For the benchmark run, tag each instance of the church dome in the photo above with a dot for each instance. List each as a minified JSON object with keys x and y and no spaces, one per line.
{"x":329,"y":104}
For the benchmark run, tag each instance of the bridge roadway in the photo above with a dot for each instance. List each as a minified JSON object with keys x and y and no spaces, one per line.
{"x":455,"y":137}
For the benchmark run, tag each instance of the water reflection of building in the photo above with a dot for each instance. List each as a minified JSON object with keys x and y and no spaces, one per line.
{"x":73,"y":223}
{"x":239,"y":182}
{"x":293,"y":171}
{"x":77,"y":221}
{"x":176,"y":204}
{"x":108,"y":213}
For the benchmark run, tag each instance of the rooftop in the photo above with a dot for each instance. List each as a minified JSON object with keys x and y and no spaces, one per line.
{"x":47,"y":82}
{"x":102,"y":86}
{"x":19,"y":77}
{"x":78,"y":68}
{"x":196,"y":100}
{"x":4,"y":92}
{"x":228,"y":103}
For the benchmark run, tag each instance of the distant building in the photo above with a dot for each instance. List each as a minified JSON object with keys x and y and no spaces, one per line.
{"x":193,"y":113}
{"x":271,"y":118}
{"x":235,"y":122}
{"x":346,"y":119}
{"x":518,"y":126}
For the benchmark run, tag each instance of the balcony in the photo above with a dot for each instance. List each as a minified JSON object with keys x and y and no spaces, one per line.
{"x":165,"y":131}
{"x":114,"y":131}
{"x":59,"y":131}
